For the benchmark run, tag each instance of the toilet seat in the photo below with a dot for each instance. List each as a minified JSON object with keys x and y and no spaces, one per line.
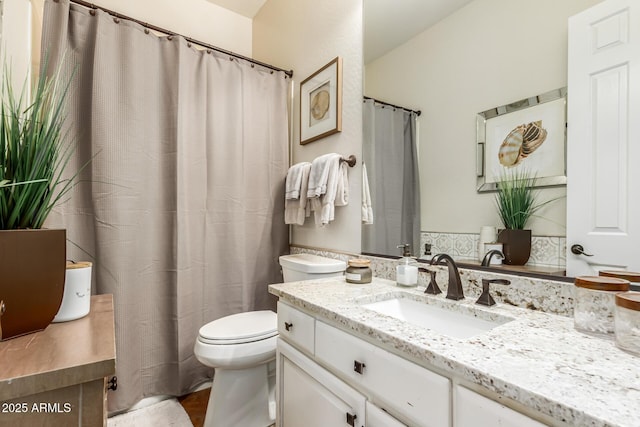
{"x":238,"y":341}
{"x":240,"y":328}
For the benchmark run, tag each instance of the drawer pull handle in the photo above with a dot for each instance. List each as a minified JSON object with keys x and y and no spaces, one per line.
{"x":288,"y":326}
{"x":113,"y":383}
{"x":351,"y":419}
{"x":358,"y":366}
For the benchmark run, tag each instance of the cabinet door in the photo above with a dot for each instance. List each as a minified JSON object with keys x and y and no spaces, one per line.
{"x":376,"y":417}
{"x":309,"y":396}
{"x":474,"y":410}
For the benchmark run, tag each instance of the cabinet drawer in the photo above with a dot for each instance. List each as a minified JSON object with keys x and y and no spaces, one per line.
{"x":397,"y":385}
{"x":475,"y":410}
{"x":296,"y":328}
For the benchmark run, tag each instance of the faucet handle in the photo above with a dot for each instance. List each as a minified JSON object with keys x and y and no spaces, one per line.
{"x":433,"y":288}
{"x":486,"y":298}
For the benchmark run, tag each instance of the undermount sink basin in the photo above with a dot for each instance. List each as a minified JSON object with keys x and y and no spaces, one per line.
{"x":441,"y":320}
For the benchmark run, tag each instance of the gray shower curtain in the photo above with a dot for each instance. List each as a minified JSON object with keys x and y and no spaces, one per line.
{"x":390,"y":155}
{"x":181,"y":206}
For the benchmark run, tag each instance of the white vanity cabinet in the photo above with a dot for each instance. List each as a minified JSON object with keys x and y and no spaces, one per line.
{"x":338,"y":379}
{"x":310,"y":396}
{"x":474,"y":410}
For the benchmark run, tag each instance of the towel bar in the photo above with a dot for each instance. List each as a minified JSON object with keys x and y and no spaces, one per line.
{"x":351,"y":160}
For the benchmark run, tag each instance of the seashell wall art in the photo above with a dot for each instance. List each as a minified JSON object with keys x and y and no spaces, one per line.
{"x":510,"y":136}
{"x":520,"y":142}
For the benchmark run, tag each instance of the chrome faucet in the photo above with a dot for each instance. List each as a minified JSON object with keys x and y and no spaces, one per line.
{"x":454,"y":289}
{"x":487,"y":258}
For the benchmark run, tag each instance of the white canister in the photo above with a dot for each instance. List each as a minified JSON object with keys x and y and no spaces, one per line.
{"x":488,"y":234}
{"x":495,"y":260}
{"x":76,"y":300}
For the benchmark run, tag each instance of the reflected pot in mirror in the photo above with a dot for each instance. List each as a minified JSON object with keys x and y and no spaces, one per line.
{"x":32,"y":275}
{"x":516,"y":246}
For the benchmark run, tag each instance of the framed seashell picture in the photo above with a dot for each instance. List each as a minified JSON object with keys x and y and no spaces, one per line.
{"x":530,"y":134}
{"x":321,"y":103}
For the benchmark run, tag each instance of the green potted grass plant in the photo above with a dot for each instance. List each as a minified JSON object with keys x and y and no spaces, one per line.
{"x":516,"y":202}
{"x":34,"y":151}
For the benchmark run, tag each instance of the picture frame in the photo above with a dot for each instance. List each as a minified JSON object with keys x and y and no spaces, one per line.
{"x":321,"y":103}
{"x":530,"y":135}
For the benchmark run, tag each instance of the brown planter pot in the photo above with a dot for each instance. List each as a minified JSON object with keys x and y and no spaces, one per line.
{"x":32,"y":274}
{"x":516,"y":246}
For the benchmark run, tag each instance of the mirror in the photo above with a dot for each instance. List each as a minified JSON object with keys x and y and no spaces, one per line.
{"x":468,"y":57}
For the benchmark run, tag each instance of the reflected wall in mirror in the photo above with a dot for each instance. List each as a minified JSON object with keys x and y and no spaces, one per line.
{"x":483,"y":54}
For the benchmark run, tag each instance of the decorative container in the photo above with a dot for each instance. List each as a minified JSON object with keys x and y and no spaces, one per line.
{"x":627,"y":321}
{"x":76,"y":300}
{"x":32,"y":275}
{"x":359,"y":271}
{"x":516,"y":246}
{"x":594,"y":305}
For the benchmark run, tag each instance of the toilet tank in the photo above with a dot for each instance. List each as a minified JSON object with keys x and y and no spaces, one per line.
{"x":306,"y":266}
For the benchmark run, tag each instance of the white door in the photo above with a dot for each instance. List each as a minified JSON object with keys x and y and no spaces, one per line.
{"x":310,"y":396}
{"x":603,"y":151}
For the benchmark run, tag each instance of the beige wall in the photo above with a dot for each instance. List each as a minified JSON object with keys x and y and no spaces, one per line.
{"x":304,"y":35}
{"x":197,"y":19}
{"x":16,"y":40}
{"x":490,"y":53}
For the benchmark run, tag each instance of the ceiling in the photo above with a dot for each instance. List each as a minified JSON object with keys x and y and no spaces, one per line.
{"x":248,"y":8}
{"x":387,"y":23}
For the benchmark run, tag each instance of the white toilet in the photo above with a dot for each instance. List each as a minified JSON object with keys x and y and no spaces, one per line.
{"x":242,"y":349}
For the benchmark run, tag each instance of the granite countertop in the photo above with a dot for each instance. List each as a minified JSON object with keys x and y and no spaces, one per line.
{"x":538,"y":359}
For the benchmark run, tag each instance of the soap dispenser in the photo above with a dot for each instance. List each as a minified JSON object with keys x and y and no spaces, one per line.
{"x":407,"y":269}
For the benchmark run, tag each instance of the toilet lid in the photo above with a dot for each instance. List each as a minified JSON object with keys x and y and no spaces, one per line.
{"x":240,"y":328}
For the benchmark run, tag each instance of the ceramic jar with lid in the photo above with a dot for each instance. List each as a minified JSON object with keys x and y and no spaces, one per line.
{"x":627,"y":321}
{"x":595,"y":303}
{"x":632,"y":276}
{"x":359,"y":271}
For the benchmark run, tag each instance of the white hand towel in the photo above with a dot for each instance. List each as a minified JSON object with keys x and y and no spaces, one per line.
{"x":294,"y":180}
{"x":342,"y":192}
{"x":319,"y":175}
{"x":367,"y":209}
{"x":295,"y":211}
{"x":336,"y":194}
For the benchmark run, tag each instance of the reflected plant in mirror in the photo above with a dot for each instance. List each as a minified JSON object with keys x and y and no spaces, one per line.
{"x":516,"y":202}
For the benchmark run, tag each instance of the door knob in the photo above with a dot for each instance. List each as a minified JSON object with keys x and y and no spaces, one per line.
{"x":579,"y":250}
{"x":358,"y":366}
{"x":288,"y":326}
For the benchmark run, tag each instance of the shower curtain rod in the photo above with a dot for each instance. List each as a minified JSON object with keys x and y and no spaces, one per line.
{"x":171,"y":33}
{"x":418,"y":112}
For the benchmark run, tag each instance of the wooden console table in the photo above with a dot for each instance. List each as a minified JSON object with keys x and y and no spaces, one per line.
{"x":57,"y":377}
